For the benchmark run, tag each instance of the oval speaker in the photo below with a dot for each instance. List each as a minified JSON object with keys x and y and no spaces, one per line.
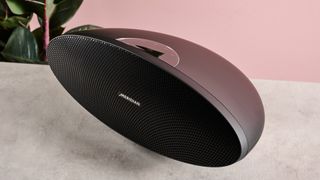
{"x":165,"y":93}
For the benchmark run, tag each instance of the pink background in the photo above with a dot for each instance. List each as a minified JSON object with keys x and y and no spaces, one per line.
{"x":267,"y":39}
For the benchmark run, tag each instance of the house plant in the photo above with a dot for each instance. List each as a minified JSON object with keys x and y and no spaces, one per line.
{"x":18,"y":43}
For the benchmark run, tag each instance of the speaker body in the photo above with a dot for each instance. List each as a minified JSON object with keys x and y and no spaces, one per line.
{"x":165,"y":93}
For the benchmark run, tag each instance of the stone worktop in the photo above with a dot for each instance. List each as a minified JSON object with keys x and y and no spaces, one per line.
{"x":46,"y":135}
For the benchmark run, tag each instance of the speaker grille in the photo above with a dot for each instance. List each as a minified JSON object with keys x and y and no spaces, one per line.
{"x":172,"y":119}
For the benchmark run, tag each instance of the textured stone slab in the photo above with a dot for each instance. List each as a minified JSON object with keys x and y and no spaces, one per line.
{"x":46,"y":135}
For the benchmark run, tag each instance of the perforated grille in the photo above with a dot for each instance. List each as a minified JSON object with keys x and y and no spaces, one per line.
{"x":172,"y":119}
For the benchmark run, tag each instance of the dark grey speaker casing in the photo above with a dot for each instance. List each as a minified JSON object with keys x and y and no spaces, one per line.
{"x":210,"y":75}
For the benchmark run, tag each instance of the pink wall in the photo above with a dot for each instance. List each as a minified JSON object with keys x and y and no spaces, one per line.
{"x":268,"y":39}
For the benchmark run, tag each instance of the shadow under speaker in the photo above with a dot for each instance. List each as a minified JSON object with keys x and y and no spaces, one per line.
{"x":167,"y":94}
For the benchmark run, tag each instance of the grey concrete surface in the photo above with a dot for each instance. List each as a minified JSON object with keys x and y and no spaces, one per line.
{"x":46,"y":135}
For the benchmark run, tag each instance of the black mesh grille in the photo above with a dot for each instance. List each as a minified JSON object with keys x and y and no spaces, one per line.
{"x":172,"y":119}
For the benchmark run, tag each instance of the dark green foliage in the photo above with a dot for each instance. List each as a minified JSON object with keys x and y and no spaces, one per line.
{"x":17,"y":42}
{"x":83,"y":28}
{"x":13,"y":51}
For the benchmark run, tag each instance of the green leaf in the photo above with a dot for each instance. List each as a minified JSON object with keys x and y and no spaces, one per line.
{"x":17,"y":6}
{"x":57,"y":1}
{"x":2,"y":10}
{"x":38,"y":8}
{"x":35,"y":6}
{"x":83,"y":28}
{"x":40,"y":20}
{"x":38,"y":35}
{"x":2,"y":44}
{"x":64,"y":11}
{"x":50,"y":8}
{"x":1,"y":58}
{"x":21,"y":47}
{"x":56,"y":32}
{"x":20,"y":7}
{"x":5,"y":33}
{"x":15,"y":21}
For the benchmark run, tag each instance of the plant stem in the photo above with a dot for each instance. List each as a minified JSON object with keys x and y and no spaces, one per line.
{"x":6,"y":10}
{"x":46,"y":33}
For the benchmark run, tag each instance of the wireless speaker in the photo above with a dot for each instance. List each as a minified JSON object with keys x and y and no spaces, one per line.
{"x":165,"y":93}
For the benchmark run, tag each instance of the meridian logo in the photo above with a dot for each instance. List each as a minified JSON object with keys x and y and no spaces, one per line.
{"x":129,"y":99}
